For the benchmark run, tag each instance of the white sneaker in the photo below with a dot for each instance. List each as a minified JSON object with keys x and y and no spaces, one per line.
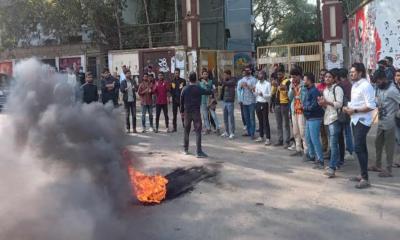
{"x":224,"y":135}
{"x":267,"y":142}
{"x":292,"y":148}
{"x":151,"y":130}
{"x":259,"y":140}
{"x":232,"y":136}
{"x":348,"y":156}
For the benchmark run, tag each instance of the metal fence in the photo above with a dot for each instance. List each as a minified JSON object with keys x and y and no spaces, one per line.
{"x":309,"y":56}
{"x":161,"y":35}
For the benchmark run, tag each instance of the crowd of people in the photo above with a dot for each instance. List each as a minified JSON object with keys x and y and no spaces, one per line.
{"x":323,"y":119}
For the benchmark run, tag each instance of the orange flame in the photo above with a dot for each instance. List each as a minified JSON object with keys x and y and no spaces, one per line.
{"x":148,"y":189}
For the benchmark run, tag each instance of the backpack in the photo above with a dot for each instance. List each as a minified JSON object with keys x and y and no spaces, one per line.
{"x":342,"y":116}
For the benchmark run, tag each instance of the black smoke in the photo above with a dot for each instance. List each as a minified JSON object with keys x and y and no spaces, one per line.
{"x":61,"y":171}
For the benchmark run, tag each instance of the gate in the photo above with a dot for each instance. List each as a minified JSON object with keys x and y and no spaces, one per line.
{"x":309,"y":56}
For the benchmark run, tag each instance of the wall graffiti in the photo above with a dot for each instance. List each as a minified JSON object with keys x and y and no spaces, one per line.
{"x":375,"y":33}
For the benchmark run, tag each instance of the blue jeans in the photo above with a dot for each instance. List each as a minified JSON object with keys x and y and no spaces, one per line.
{"x":215,"y":118}
{"x":145,"y":109}
{"x":229,"y":117}
{"x":313,"y":127}
{"x":204,"y":116}
{"x":349,"y":138}
{"x":334,"y":131}
{"x":250,"y":116}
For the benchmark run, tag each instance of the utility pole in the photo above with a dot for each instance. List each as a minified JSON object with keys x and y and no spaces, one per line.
{"x":146,"y":10}
{"x":176,"y":23}
{"x":319,"y":21}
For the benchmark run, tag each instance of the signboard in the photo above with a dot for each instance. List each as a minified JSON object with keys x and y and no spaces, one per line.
{"x":375,"y":33}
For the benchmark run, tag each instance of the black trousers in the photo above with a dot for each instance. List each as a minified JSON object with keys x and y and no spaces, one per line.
{"x":175,"y":110}
{"x":164,"y":108}
{"x":342,"y":146}
{"x":360,"y":132}
{"x":194,"y":117}
{"x":130,"y":109}
{"x":262,"y":110}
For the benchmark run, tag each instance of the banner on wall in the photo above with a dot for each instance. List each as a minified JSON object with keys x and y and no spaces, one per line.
{"x":241,"y":60}
{"x":130,"y":59}
{"x":6,"y":68}
{"x":72,"y":62}
{"x":375,"y":33}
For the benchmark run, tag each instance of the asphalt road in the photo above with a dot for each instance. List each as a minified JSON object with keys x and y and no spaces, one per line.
{"x":261,"y":193}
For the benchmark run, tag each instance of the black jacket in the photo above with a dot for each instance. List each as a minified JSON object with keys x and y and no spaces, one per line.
{"x":191,"y":98}
{"x":109,"y":95}
{"x":89,"y":93}
{"x":228,"y":90}
{"x":177,"y":86}
{"x":124,"y":89}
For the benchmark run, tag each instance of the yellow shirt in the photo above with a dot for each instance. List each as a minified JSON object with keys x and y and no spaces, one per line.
{"x":282,"y":95}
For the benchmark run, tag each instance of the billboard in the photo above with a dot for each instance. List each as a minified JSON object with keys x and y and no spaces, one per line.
{"x":375,"y":33}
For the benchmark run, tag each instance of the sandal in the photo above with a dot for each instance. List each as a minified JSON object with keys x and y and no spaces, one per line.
{"x":385,"y":174}
{"x":374,"y":169}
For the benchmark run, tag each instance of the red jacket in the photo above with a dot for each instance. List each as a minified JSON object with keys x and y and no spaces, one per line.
{"x":144,"y":93}
{"x":161,"y":89}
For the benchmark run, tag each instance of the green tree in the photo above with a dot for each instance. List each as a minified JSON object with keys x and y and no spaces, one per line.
{"x":62,"y":20}
{"x":285,"y":21}
{"x":299,"y":25}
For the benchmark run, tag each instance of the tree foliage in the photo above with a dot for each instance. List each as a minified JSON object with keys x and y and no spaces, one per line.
{"x":60,"y":20}
{"x":285,"y":21}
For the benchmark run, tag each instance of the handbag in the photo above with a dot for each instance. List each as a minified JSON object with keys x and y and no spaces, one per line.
{"x":342,"y":116}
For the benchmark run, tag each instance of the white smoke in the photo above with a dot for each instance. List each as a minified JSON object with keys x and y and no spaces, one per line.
{"x":60,"y":170}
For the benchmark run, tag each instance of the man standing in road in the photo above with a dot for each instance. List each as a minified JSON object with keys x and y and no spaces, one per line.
{"x":161,"y":90}
{"x":108,"y":86}
{"x":360,"y":109}
{"x":177,"y":85}
{"x":263,"y":92}
{"x":146,"y":95}
{"x":297,"y":94}
{"x":388,"y":100}
{"x":324,"y":131}
{"x":313,"y":114}
{"x":248,"y":86}
{"x":281,"y":100}
{"x":89,"y":90}
{"x":228,"y":97}
{"x":129,"y":88}
{"x":332,"y":102}
{"x":191,"y":100}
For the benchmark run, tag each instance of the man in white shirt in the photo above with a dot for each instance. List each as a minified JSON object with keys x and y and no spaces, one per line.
{"x":360,"y":109}
{"x":263,"y":93}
